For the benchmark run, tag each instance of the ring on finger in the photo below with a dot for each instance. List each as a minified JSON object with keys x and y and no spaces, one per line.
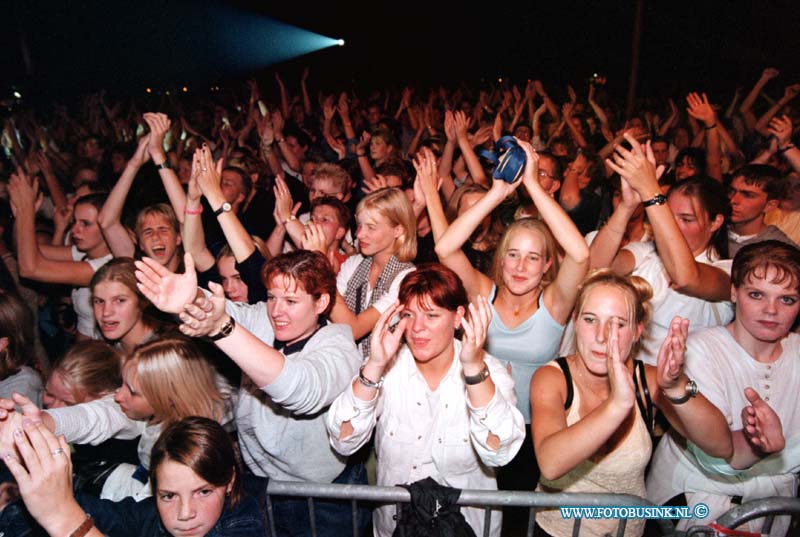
{"x":57,"y":451}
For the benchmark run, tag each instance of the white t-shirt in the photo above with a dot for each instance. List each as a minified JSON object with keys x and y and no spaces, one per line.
{"x":82,"y":296}
{"x":722,"y":370}
{"x":667,"y":303}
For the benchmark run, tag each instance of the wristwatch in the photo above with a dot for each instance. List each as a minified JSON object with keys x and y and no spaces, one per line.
{"x":691,"y":391}
{"x":471,"y":380}
{"x":658,"y":199}
{"x":164,"y":165}
{"x":224,"y":208}
{"x":224,"y":331}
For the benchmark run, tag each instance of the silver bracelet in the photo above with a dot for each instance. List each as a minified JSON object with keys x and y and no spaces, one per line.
{"x":368,"y":383}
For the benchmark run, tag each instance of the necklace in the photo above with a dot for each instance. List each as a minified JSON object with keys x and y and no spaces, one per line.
{"x":523,"y":308}
{"x":586,"y":383}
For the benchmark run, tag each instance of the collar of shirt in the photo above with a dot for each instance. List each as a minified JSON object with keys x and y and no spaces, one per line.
{"x":452,"y":376}
{"x":297,"y":346}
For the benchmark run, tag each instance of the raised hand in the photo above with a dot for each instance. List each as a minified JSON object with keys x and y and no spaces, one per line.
{"x":206,"y":315}
{"x":672,"y":355}
{"x":337,"y":146}
{"x":168,"y":291}
{"x":530,"y":176}
{"x":283,"y":201}
{"x":62,"y":217}
{"x":475,"y":328}
{"x":573,"y":97}
{"x":761,"y":425}
{"x":343,"y":106}
{"x":791,"y":92}
{"x":462,"y":124}
{"x":159,"y":126}
{"x":363,"y":143}
{"x":427,"y":172}
{"x":254,"y":91}
{"x":622,"y":393}
{"x":209,"y":178}
{"x":374,"y":183}
{"x":142,"y":153}
{"x":630,"y":198}
{"x":265,"y":129}
{"x":385,"y":342}
{"x":314,"y":239}
{"x":781,"y":128}
{"x":450,"y":126}
{"x":635,"y":167}
{"x":769,"y":73}
{"x":700,"y":109}
{"x":328,"y":110}
{"x":481,"y":136}
{"x":22,"y":191}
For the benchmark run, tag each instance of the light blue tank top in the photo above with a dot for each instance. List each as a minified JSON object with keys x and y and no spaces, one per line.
{"x":526,"y":347}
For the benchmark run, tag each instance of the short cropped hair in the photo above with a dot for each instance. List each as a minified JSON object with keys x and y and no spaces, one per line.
{"x":161,"y":209}
{"x":310,"y":270}
{"x":433,"y":283}
{"x":342,"y":211}
{"x":333,"y":173}
{"x":767,"y":178}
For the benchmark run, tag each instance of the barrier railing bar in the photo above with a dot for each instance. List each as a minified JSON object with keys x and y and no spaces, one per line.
{"x":354,"y":513}
{"x":486,"y":499}
{"x":758,"y":509}
{"x":312,"y":519}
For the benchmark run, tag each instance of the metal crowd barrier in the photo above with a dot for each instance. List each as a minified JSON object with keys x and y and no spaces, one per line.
{"x":767,"y":508}
{"x":487,"y":499}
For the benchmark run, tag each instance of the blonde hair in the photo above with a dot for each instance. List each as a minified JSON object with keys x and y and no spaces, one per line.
{"x":637,"y":295}
{"x":392,"y":204}
{"x":161,"y":209}
{"x":551,"y":253}
{"x":334,"y":173}
{"x":90,"y":370}
{"x":177,"y":380}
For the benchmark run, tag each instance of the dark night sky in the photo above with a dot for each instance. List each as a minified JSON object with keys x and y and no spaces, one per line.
{"x":685,"y":45}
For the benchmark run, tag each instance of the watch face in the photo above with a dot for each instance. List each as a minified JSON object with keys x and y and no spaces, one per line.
{"x":226,"y":206}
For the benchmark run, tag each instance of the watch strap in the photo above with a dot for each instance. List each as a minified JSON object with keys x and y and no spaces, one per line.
{"x":658,"y":199}
{"x":84,"y":528}
{"x":471,"y":380}
{"x":224,"y":331}
{"x":224,"y":208}
{"x":691,"y":391}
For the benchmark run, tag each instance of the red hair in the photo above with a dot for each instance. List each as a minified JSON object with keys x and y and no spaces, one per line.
{"x":310,"y":270}
{"x":436,"y":284}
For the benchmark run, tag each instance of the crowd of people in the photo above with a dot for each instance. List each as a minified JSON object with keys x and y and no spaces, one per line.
{"x":345,"y":289}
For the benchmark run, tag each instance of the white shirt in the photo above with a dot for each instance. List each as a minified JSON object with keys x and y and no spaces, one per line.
{"x":81,"y":296}
{"x":667,"y":303}
{"x":722,"y":370}
{"x":423,"y":433}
